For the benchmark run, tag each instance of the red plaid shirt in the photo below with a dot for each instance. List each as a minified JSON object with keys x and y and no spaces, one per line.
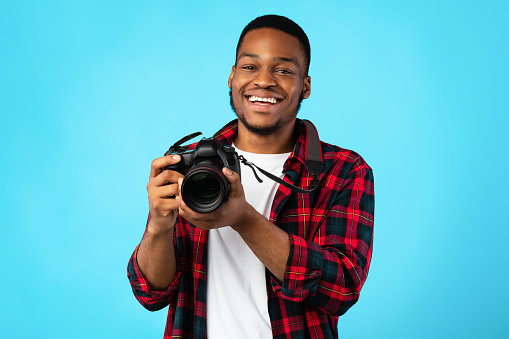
{"x":330,"y":232}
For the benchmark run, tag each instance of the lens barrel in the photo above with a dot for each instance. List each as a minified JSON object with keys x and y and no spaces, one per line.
{"x":205,"y":187}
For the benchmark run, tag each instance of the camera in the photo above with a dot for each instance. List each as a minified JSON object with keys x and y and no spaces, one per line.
{"x":205,"y":187}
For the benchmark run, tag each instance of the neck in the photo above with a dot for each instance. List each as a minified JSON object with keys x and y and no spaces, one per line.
{"x":282,"y":141}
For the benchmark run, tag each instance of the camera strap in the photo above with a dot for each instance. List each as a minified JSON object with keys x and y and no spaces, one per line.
{"x":176,"y":146}
{"x":273,"y":177}
{"x":314,"y":164}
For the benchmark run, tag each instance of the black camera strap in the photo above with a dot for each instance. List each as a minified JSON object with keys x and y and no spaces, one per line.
{"x":314,"y":164}
{"x":273,"y":177}
{"x":176,"y":146}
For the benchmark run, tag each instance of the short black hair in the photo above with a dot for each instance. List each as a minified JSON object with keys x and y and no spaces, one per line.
{"x":282,"y":24}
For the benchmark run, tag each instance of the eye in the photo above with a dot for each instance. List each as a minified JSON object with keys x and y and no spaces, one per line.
{"x":248,"y":67}
{"x":284,"y":71}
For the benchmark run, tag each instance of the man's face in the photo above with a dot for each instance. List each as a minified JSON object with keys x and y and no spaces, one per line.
{"x":269,"y":81}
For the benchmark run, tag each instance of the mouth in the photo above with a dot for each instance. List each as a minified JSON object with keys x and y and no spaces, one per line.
{"x":263,"y":100}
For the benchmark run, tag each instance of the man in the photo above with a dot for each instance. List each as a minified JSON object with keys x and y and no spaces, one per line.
{"x":269,"y":262}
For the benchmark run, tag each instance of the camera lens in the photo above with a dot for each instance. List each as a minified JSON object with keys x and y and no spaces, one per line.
{"x":204,"y":187}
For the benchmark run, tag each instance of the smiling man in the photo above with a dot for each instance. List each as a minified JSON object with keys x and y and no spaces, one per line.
{"x":271,"y":262}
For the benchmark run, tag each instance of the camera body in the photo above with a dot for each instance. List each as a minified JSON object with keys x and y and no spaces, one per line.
{"x":205,"y":187}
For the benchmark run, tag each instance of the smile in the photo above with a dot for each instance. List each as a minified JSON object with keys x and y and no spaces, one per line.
{"x":253,"y":98}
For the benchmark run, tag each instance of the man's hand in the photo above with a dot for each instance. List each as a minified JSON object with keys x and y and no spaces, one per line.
{"x":162,"y":189}
{"x":235,"y":211}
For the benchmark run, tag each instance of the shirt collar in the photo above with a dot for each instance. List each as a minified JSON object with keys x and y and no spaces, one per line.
{"x":226,"y":134}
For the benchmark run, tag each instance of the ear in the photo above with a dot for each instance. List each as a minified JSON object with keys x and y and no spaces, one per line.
{"x":306,"y":89}
{"x":231,"y":77}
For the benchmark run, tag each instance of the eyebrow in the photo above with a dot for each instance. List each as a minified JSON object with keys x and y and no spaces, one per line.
{"x":279,"y":59}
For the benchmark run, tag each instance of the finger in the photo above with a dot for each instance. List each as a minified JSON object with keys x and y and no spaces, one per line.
{"x":164,"y":178}
{"x":181,"y":205}
{"x":179,"y":184}
{"x":233,"y":178}
{"x":159,"y":163}
{"x":186,"y":211}
{"x":167,"y":191}
{"x":183,"y":209}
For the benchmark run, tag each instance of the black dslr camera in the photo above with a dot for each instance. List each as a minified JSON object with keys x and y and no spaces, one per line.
{"x":205,"y":187}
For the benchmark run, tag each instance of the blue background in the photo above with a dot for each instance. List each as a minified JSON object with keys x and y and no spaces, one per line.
{"x":92,"y":91}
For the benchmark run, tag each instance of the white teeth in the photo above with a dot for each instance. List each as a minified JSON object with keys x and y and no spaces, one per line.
{"x":253,"y":98}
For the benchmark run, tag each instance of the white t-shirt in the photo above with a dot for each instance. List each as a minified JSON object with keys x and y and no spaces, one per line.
{"x":236,"y":290}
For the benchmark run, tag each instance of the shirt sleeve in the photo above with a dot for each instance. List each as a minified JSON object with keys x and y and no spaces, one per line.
{"x":152,"y":300}
{"x":329,"y":270}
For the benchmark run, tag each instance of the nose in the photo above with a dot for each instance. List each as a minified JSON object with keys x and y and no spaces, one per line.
{"x":264,"y":78}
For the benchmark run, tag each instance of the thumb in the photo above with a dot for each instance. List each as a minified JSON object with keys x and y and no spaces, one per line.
{"x":232,"y":176}
{"x":236,"y":189}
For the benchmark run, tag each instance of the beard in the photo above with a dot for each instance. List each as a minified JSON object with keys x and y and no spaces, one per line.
{"x":266,"y":130}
